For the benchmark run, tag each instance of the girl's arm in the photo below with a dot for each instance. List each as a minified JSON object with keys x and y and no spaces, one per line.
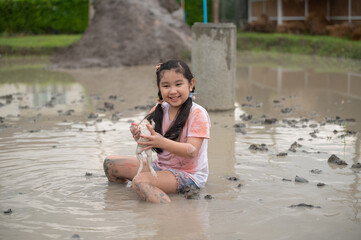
{"x":189,"y":149}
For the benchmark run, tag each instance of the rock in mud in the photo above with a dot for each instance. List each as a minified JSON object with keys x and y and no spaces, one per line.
{"x":246,"y":117}
{"x":258,"y":147}
{"x":356,"y":165}
{"x":239,"y":128}
{"x":270,"y":120}
{"x":246,"y":105}
{"x":9,"y":211}
{"x":8,"y":98}
{"x":93,"y":116}
{"x":190,"y":192}
{"x":294,"y":146}
{"x":116,"y":116}
{"x":316,"y":171}
{"x":75,"y":236}
{"x":320,"y":184}
{"x":51,"y":102}
{"x":69,"y":112}
{"x":301,"y":179}
{"x":239,"y":125}
{"x":282,"y":154}
{"x":88,"y":174}
{"x":336,"y":160}
{"x":286,"y":110}
{"x":233,"y":178}
{"x":208,"y":197}
{"x":286,"y":180}
{"x":108,"y":106}
{"x":313,"y":134}
{"x":304,"y":205}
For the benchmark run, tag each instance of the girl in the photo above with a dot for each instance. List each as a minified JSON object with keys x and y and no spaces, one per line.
{"x":180,"y":139}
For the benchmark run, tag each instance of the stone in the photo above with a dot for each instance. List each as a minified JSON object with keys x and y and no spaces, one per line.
{"x":336,"y":160}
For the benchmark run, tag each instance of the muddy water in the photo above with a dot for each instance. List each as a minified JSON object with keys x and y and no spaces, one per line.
{"x":51,"y":138}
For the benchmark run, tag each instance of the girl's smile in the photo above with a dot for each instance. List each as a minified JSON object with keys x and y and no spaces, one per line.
{"x":175,"y":88}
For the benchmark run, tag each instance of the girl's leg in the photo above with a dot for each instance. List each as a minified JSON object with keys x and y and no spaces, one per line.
{"x":120,"y":169}
{"x":153,"y":189}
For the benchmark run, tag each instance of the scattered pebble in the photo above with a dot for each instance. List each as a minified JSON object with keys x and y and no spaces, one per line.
{"x":301,"y":179}
{"x":286,"y":180}
{"x":294,"y":146}
{"x":239,"y":185}
{"x":9,"y":211}
{"x":258,"y":147}
{"x":320,"y":184}
{"x":75,"y":236}
{"x":69,"y":112}
{"x":356,"y":165}
{"x":34,"y":130}
{"x":336,"y":160}
{"x":304,"y":205}
{"x":93,"y":115}
{"x":246,"y":117}
{"x":108,"y":106}
{"x":190,"y":192}
{"x":286,"y":110}
{"x":313,"y":134}
{"x":208,"y":197}
{"x":316,"y":171}
{"x":270,"y":120}
{"x":233,"y":178}
{"x":88,"y":174}
{"x":282,"y":154}
{"x":239,"y":125}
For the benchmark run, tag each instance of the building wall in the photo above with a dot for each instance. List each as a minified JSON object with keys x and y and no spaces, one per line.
{"x":296,"y":8}
{"x":293,"y":8}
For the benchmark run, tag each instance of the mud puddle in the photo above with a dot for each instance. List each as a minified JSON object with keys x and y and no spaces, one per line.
{"x":58,"y":126}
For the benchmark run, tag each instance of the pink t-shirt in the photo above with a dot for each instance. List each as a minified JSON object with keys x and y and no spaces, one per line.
{"x":197,"y":125}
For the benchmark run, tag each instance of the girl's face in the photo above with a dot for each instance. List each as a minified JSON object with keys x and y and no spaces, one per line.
{"x":175,"y":88}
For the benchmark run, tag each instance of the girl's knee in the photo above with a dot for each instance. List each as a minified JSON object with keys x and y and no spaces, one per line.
{"x":107,"y":165}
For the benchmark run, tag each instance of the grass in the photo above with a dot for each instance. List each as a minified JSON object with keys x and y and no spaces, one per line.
{"x":324,"y":46}
{"x":300,"y":44}
{"x":39,"y":41}
{"x":35,"y":44}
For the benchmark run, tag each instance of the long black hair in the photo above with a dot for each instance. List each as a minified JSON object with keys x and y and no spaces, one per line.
{"x":175,"y":129}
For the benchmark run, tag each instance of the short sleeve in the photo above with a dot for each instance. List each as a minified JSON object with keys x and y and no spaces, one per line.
{"x":198,"y":123}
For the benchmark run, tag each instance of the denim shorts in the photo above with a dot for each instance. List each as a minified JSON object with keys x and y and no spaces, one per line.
{"x":182,"y":178}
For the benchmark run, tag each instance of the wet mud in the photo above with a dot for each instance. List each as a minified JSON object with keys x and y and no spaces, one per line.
{"x":57,"y":127}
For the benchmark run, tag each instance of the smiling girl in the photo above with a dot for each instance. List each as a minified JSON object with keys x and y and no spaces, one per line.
{"x":180,"y":139}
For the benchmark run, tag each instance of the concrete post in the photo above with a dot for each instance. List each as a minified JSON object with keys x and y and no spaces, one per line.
{"x":214,"y":64}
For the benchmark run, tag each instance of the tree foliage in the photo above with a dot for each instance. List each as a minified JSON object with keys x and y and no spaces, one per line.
{"x":43,"y":16}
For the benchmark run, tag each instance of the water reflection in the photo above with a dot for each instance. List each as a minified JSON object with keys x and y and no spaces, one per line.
{"x":25,"y":90}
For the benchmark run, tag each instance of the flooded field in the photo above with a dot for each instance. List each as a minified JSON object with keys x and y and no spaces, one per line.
{"x":57,"y":126}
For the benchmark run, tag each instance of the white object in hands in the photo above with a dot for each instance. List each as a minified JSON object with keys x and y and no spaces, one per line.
{"x":139,"y":151}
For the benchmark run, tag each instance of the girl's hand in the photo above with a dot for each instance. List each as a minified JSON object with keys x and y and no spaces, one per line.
{"x":155,"y":140}
{"x":135,"y":131}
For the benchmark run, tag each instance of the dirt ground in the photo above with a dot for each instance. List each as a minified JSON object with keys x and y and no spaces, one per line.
{"x":129,"y":32}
